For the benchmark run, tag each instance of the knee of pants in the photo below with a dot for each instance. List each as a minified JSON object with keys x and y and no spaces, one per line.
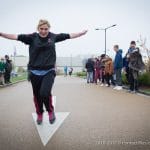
{"x":44,"y":93}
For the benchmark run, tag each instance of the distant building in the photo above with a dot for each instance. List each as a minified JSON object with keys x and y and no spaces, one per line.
{"x":20,"y":61}
{"x":77,"y":62}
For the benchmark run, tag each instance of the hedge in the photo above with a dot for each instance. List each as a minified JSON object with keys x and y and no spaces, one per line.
{"x":144,"y":79}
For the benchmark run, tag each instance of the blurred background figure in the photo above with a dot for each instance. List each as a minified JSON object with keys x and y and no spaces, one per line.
{"x":65,"y":71}
{"x":90,"y":68}
{"x":102,"y":66}
{"x":109,"y":70}
{"x":70,"y":71}
{"x":118,"y":65}
{"x":97,"y":70}
{"x":136,"y":64}
{"x":2,"y":71}
{"x":8,"y":69}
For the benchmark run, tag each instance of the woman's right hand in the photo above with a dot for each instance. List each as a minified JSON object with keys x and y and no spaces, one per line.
{"x":9,"y":36}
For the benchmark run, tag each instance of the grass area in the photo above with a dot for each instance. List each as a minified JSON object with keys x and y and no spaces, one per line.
{"x":81,"y":74}
{"x":144,"y":81}
{"x":21,"y":76}
{"x":146,"y":90}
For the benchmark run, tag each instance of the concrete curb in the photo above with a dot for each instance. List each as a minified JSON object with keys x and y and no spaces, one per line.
{"x":7,"y":85}
{"x":140,"y":92}
{"x":126,"y":88}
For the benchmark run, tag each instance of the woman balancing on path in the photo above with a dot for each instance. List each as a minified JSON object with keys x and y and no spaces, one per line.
{"x":42,"y":60}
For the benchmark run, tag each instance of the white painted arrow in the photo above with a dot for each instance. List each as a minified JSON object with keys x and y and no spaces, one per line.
{"x":47,"y":130}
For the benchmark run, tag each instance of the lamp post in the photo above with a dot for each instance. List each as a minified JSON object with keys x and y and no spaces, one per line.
{"x":15,"y":52}
{"x":105,"y":29}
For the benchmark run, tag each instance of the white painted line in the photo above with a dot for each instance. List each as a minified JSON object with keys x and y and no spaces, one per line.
{"x":54,"y":101}
{"x":47,"y":130}
{"x":143,"y":95}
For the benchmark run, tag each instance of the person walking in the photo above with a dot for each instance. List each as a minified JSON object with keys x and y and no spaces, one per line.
{"x":42,"y":60}
{"x":65,"y":71}
{"x":70,"y":71}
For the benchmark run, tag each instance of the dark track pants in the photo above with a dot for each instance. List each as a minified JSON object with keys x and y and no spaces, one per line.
{"x":42,"y":87}
{"x":133,"y":80}
{"x":7,"y":77}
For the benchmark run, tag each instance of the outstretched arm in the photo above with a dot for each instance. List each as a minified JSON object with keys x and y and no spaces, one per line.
{"x":9,"y":36}
{"x":76,"y":35}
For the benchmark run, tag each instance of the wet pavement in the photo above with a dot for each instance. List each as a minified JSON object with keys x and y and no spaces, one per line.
{"x":100,"y":118}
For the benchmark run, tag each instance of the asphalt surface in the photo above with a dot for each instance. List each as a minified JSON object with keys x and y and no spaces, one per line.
{"x":100,"y":118}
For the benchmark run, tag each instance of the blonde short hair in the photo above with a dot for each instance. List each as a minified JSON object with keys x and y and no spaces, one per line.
{"x":43,"y":22}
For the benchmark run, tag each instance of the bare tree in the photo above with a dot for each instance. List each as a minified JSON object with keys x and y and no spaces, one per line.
{"x":142,"y":43}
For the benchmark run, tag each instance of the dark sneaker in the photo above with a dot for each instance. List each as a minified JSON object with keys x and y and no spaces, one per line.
{"x":39,"y":119}
{"x":132,"y":91}
{"x":52,"y":117}
{"x":129,"y":91}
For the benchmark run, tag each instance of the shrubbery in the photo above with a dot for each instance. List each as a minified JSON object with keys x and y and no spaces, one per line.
{"x":144,"y":79}
{"x":81,"y":74}
{"x":124,"y":79}
{"x":21,"y":69}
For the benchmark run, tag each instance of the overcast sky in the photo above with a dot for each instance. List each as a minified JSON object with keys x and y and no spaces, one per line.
{"x":132,"y":19}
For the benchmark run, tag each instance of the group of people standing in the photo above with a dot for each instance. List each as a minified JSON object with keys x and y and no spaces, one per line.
{"x":109,"y":72}
{"x":5,"y":70}
{"x":42,"y":61}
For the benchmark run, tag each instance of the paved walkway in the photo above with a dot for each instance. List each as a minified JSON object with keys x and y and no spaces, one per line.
{"x":100,"y":118}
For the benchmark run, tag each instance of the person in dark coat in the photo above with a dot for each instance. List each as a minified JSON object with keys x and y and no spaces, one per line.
{"x":89,"y":67}
{"x":8,"y":69}
{"x":136,"y":64}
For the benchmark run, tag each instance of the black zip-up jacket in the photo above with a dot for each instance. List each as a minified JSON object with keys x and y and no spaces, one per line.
{"x":42,"y":54}
{"x":89,"y":66}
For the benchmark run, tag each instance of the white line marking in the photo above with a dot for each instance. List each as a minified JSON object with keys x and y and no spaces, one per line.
{"x":46,"y":130}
